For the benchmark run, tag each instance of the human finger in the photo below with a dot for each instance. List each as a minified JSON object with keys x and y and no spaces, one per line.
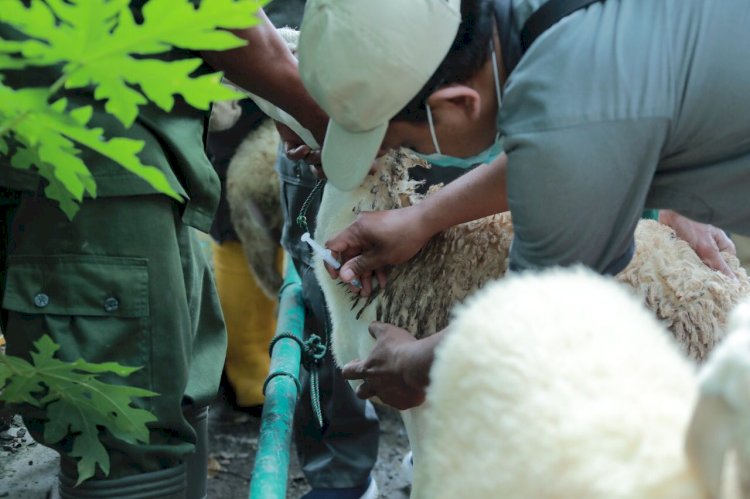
{"x":313,"y":159}
{"x":354,"y":369}
{"x":332,"y":272}
{"x":361,"y":266}
{"x":710,"y":255}
{"x":377,"y":329}
{"x":317,"y":170}
{"x":365,"y":390}
{"x":724,"y":242}
{"x":365,"y":282}
{"x":382,"y":278}
{"x":296,"y":152}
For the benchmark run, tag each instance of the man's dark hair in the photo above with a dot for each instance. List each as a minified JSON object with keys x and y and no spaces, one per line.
{"x":466,"y":56}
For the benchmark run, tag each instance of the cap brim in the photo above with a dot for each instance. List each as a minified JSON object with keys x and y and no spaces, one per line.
{"x":347,"y":156}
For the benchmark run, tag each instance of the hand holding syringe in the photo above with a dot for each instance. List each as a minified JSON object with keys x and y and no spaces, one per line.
{"x":325,"y":253}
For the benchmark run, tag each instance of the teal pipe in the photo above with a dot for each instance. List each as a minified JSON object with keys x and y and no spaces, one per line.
{"x":271,"y":470}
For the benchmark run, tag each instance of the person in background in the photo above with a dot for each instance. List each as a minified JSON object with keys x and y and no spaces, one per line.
{"x":126,"y":280}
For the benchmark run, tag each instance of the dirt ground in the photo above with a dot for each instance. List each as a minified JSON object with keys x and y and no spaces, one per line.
{"x":234,"y":441}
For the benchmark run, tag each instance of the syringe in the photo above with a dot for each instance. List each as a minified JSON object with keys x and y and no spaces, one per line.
{"x":327,"y":256}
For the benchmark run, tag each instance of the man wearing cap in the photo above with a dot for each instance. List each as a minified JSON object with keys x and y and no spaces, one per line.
{"x":607,"y":107}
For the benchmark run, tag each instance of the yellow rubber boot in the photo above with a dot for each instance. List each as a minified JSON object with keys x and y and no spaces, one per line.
{"x":251,"y":321}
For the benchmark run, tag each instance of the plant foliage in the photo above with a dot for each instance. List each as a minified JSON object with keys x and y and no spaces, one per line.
{"x":77,"y":403}
{"x":101,"y":47}
{"x":99,"y":44}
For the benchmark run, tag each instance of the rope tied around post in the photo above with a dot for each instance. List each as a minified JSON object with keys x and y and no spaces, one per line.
{"x":313,"y":351}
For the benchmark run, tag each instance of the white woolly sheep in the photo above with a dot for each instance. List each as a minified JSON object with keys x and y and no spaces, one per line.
{"x":562,"y":385}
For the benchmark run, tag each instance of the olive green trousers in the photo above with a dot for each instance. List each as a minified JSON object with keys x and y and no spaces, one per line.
{"x":127,"y":282}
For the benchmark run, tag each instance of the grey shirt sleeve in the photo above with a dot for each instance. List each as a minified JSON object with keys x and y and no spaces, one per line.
{"x":576,"y":193}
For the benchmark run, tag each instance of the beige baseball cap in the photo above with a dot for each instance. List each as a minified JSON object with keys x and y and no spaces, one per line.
{"x":363,"y":61}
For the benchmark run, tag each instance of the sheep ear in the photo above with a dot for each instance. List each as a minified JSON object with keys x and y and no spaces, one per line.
{"x":709,"y":438}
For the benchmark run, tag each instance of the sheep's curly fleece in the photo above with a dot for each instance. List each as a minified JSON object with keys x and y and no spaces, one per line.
{"x":691,"y":299}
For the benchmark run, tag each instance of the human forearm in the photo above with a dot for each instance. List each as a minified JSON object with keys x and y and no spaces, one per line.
{"x":378,"y":239}
{"x":266,"y":67}
{"x":477,"y":194}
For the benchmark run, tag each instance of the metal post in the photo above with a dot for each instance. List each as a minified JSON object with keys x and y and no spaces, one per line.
{"x":269,"y":477}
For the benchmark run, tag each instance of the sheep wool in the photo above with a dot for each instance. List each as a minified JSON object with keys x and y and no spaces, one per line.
{"x":692,"y":300}
{"x":254,"y":205}
{"x":421,"y":293}
{"x":558,"y":384}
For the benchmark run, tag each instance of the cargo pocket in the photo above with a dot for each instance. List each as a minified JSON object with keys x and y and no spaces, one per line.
{"x":94,"y":307}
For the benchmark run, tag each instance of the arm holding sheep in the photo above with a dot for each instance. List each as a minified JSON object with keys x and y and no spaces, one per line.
{"x":397,"y":371}
{"x":707,"y":241}
{"x":378,"y":239}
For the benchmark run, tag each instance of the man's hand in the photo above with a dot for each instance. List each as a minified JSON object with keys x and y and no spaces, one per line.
{"x":295,"y":148}
{"x":376,"y":240}
{"x":706,"y":240}
{"x":397,"y":369}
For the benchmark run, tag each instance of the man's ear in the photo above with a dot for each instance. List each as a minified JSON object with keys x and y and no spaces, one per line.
{"x":461,"y":97}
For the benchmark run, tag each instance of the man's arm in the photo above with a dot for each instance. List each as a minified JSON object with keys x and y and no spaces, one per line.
{"x":378,"y":239}
{"x":266,"y":67}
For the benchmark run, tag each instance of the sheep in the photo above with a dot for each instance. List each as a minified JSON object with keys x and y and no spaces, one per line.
{"x":254,"y":204}
{"x":561,"y":384}
{"x":463,"y":259}
{"x":692,"y":299}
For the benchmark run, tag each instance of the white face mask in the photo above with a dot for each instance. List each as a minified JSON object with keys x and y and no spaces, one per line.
{"x":486,"y":156}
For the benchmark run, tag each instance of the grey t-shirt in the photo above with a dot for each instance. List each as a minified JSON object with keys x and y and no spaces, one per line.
{"x":626,"y":104}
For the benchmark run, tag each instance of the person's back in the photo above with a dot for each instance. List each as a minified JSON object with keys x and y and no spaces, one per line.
{"x":628,"y":59}
{"x":608,"y":99}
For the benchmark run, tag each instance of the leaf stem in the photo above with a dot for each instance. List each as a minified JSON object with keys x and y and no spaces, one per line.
{"x":53,"y":89}
{"x":57,"y":85}
{"x":9,"y":365}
